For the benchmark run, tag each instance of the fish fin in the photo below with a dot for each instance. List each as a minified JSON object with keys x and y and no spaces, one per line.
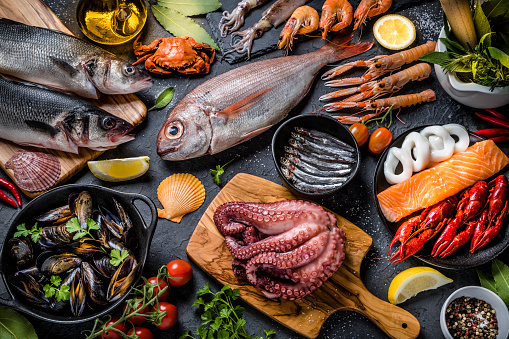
{"x":233,"y":111}
{"x":252,"y":134}
{"x":339,"y":47}
{"x":64,"y":66}
{"x":41,"y":126}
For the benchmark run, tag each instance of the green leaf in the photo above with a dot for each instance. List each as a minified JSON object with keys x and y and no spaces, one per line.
{"x":15,"y":326}
{"x":180,"y":25}
{"x":164,"y":98}
{"x":436,"y":57}
{"x":118,"y":257}
{"x":78,"y":235}
{"x":499,"y":55}
{"x":487,"y":281}
{"x":453,"y":46}
{"x":55,"y":280}
{"x":501,"y":276}
{"x":223,"y":334}
{"x":495,"y":8}
{"x":22,"y":231}
{"x":481,"y":23}
{"x":73,"y":225}
{"x":204,"y":290}
{"x":191,"y":7}
{"x":64,"y":293}
{"x":92,"y":225}
{"x":49,"y":290}
{"x":215,"y":177}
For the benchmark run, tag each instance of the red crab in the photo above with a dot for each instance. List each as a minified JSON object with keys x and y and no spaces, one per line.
{"x":175,"y":54}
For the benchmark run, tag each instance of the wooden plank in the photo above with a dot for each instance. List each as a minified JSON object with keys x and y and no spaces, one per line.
{"x":343,"y":291}
{"x":127,"y":107}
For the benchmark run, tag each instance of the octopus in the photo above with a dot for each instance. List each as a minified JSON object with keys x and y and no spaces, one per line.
{"x":285,"y":249}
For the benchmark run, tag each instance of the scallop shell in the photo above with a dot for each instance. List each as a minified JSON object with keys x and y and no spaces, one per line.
{"x":179,"y":194}
{"x":34,"y":171}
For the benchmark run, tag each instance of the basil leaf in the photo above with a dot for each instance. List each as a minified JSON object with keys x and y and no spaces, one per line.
{"x":164,"y":98}
{"x":501,"y":276}
{"x":15,"y":326}
{"x":497,"y":54}
{"x":191,"y":7}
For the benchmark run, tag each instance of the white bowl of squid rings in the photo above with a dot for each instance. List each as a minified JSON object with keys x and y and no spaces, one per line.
{"x":469,"y":94}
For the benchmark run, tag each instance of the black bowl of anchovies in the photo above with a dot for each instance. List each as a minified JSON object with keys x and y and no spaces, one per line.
{"x":315,"y":155}
{"x":142,"y":227}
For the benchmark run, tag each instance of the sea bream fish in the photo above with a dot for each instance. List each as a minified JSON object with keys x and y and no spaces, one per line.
{"x":244,"y":102}
{"x":33,"y":115}
{"x":64,"y":62}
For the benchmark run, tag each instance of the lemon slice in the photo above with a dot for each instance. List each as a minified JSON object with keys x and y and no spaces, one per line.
{"x":394,"y":31}
{"x":119,"y":169}
{"x":414,"y":280}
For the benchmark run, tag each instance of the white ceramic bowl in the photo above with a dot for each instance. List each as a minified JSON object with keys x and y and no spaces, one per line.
{"x":469,"y":94}
{"x":483,"y":294}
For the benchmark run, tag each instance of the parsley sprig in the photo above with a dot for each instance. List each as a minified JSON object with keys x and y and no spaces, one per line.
{"x":118,"y":257}
{"x":221,"y":319}
{"x":34,"y":232}
{"x":54,"y":289}
{"x":73,"y":226}
{"x":217,"y":172}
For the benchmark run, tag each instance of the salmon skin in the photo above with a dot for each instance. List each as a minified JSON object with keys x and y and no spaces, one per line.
{"x":478,"y":162}
{"x":244,"y":102}
{"x":64,"y":62}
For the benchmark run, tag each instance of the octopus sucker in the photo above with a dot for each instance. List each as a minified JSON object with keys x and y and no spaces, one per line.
{"x":288,"y":256}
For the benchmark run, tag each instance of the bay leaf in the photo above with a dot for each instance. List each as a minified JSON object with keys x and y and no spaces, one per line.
{"x":15,"y":326}
{"x":481,"y":23}
{"x":495,"y":8}
{"x":180,"y":25}
{"x":499,"y":55}
{"x":191,"y":7}
{"x":501,"y":276}
{"x":487,"y":281}
{"x":164,"y":98}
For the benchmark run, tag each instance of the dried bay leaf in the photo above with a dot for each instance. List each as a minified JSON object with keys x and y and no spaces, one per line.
{"x":487,"y":281}
{"x":501,"y":276}
{"x":191,"y":7}
{"x":164,"y":98}
{"x":15,"y":326}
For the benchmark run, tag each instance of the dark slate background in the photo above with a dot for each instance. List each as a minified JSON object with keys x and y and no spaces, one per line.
{"x":356,"y":202}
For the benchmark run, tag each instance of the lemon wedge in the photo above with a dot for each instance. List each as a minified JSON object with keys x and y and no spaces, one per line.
{"x":394,"y":31}
{"x":414,"y":280}
{"x":119,"y":169}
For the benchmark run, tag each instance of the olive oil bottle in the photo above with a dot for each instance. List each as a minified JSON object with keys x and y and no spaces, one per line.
{"x":111,"y":22}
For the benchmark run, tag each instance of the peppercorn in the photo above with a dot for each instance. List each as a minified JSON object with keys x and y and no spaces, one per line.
{"x":471,"y":318}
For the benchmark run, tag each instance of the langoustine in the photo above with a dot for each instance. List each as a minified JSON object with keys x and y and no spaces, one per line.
{"x":285,"y":249}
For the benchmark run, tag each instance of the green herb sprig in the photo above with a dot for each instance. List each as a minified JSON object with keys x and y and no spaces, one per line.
{"x":221,"y":318}
{"x":386,"y":119}
{"x":118,"y":257}
{"x":73,"y":226}
{"x":34,"y":232}
{"x":54,"y":289}
{"x":217,"y":172}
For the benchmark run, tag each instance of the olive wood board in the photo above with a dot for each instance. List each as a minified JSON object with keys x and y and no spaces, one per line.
{"x":343,"y":291}
{"x":128,"y":107}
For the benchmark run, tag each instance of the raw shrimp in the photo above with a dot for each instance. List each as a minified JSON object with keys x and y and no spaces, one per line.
{"x":380,"y":105}
{"x":368,"y":9}
{"x":336,"y":15}
{"x":230,"y":22}
{"x":377,"y":66}
{"x":303,"y":20}
{"x":390,"y":84}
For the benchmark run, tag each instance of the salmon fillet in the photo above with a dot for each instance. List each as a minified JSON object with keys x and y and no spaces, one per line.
{"x":478,"y":162}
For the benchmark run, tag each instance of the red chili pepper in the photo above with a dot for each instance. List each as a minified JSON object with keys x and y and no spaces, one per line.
{"x":493,"y":132}
{"x":497,"y":114}
{"x":500,"y":139}
{"x":12,"y":189}
{"x":493,"y":120}
{"x":8,"y":200}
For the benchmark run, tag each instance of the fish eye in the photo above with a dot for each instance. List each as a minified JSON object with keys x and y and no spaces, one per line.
{"x":108,"y":123}
{"x":174,"y":130}
{"x":129,"y":70}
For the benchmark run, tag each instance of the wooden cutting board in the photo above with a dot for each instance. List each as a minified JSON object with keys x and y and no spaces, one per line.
{"x":343,"y":291}
{"x":127,"y":107}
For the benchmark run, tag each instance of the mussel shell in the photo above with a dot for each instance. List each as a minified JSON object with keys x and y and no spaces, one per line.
{"x":78,"y":294}
{"x":56,"y":215}
{"x":124,"y":218}
{"x":54,"y":236}
{"x":34,"y":272}
{"x":58,"y":306}
{"x":81,"y":207}
{"x":103,"y":265}
{"x":95,"y":286}
{"x":60,"y":263}
{"x":85,"y":246}
{"x":112,"y":222}
{"x":30,"y":289}
{"x":122,"y":279}
{"x":21,"y":252}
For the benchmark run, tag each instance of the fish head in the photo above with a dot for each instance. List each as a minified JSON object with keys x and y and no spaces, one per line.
{"x":111,"y":75}
{"x":96,"y":129}
{"x":186,"y":134}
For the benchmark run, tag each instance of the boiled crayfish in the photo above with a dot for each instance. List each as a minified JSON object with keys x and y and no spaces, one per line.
{"x":476,"y":214}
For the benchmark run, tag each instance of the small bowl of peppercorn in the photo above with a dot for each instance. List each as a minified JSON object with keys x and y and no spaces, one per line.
{"x":474,"y":312}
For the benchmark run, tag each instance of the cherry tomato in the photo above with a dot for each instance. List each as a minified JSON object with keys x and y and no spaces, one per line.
{"x":137,"y":319}
{"x":380,"y":139}
{"x":171,"y":316}
{"x":181,"y":270}
{"x":159,"y":286}
{"x":142,"y":332}
{"x":360,"y":133}
{"x":111,"y":334}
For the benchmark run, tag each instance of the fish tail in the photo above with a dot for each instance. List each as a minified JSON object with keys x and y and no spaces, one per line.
{"x":340,"y":48}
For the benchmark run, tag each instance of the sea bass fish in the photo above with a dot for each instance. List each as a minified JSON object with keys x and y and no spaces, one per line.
{"x":64,"y":62}
{"x":244,"y":102}
{"x":32,"y":115}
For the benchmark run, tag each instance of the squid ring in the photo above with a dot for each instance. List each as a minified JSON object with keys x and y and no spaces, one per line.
{"x":439,"y":154}
{"x":394,"y":157}
{"x":418,"y":147}
{"x":461,"y":133}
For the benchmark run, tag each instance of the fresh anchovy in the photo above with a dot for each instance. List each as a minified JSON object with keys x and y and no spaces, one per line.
{"x":307,"y":187}
{"x":315,"y":171}
{"x":310,"y":159}
{"x":64,"y":62}
{"x":302,"y":160}
{"x":313,"y":179}
{"x":33,"y":115}
{"x":324,"y":138}
{"x":312,"y":145}
{"x":342,"y":158}
{"x":237,"y":105}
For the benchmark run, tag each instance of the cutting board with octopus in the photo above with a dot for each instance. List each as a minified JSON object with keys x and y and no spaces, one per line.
{"x":343,"y":291}
{"x":127,"y":107}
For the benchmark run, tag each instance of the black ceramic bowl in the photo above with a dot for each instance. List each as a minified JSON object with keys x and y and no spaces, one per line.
{"x":319,"y":122}
{"x":461,"y":258}
{"x":58,"y":197}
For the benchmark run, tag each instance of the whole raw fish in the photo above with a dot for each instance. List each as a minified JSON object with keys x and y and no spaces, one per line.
{"x":32,"y":115}
{"x":244,"y":102}
{"x":64,"y":62}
